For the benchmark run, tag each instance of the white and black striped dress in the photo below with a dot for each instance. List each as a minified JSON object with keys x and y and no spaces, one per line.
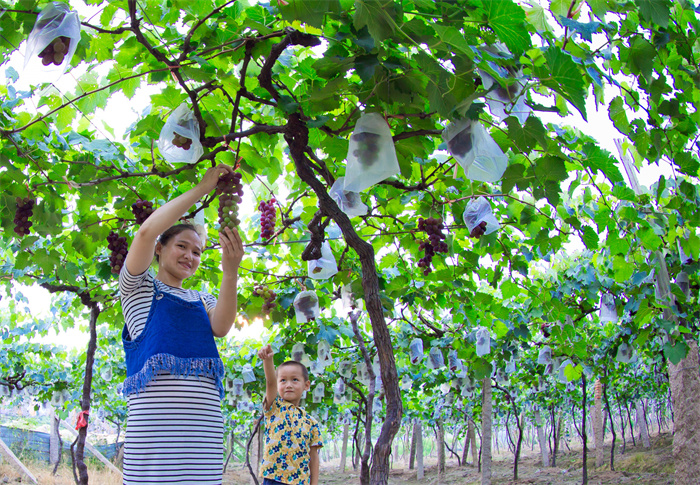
{"x":174,"y":433}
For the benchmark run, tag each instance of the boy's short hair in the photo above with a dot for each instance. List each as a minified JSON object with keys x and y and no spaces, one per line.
{"x":304,"y":370}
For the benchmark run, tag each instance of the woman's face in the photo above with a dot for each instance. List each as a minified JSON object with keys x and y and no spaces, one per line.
{"x":180,"y":256}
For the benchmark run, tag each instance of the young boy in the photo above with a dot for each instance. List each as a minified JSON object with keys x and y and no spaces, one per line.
{"x":292,"y":437}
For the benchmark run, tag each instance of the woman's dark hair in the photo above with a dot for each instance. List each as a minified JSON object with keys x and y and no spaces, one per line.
{"x":172,"y":231}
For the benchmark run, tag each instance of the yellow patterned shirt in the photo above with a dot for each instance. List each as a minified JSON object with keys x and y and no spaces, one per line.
{"x":289,"y":435}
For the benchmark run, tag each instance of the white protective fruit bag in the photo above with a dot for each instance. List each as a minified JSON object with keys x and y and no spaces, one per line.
{"x":608,"y":313}
{"x":474,"y":149}
{"x":477,"y":211}
{"x":180,"y":127}
{"x":324,"y":352}
{"x":55,"y":21}
{"x":349,"y":202}
{"x":435,"y":358}
{"x":247,"y":373}
{"x":347,"y":297}
{"x":345,"y":369}
{"x":506,"y":100}
{"x":298,"y":353}
{"x":545,"y":355}
{"x":483,"y":341}
{"x":306,"y":306}
{"x":371,"y":154}
{"x":416,"y":348}
{"x":626,"y":353}
{"x":325,"y":266}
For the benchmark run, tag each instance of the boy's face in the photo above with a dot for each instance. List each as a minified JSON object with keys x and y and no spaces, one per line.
{"x":291,"y":383}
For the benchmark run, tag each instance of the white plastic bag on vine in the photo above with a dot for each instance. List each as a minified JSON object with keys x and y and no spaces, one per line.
{"x":511,"y":366}
{"x":506,"y":98}
{"x":608,"y":312}
{"x":453,"y":361}
{"x":323,"y":352}
{"x":347,"y":297}
{"x":474,"y":149}
{"x":416,"y":349}
{"x":306,"y":306}
{"x":362,"y":373}
{"x":435,"y":359}
{"x":625,"y":353}
{"x":483,"y":341}
{"x":345,"y":369}
{"x":545,"y":355}
{"x":377,"y":406}
{"x":316,"y":368}
{"x":298,"y":352}
{"x":349,"y":202}
{"x":562,"y":370}
{"x":683,"y":281}
{"x":247,"y":373}
{"x":319,"y":392}
{"x":478,"y":213}
{"x":406,"y":383}
{"x":52,"y":42}
{"x":371,"y":154}
{"x":179,"y":139}
{"x":325,"y":266}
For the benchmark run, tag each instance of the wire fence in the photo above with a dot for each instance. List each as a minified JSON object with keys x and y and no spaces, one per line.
{"x":35,"y":444}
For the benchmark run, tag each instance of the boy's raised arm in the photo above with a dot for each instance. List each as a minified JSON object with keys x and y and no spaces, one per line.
{"x":265,"y":354}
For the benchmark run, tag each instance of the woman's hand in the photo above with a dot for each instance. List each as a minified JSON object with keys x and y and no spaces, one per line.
{"x":231,"y":250}
{"x":211,"y":177}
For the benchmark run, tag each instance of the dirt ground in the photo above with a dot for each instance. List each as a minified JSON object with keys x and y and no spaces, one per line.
{"x":637,"y":466}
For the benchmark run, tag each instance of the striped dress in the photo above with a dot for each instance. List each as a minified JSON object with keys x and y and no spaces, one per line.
{"x":174,"y":433}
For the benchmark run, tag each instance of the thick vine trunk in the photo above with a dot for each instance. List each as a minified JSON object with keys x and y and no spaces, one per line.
{"x":642,"y":424}
{"x":79,"y":454}
{"x":440,"y":444}
{"x":612,"y":428}
{"x":544,"y":449}
{"x":297,"y":137}
{"x":420,"y":471}
{"x":598,"y":425}
{"x":583,"y":432}
{"x":412,"y":453}
{"x":469,"y":441}
{"x":367,"y":449}
{"x":344,"y":447}
{"x":486,"y":422}
{"x":685,"y":393}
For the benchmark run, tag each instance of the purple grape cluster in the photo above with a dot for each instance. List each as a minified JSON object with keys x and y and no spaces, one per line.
{"x":55,"y":52}
{"x":142,"y":209}
{"x":119,"y":247}
{"x":270,"y":296}
{"x":23,"y":214}
{"x":230,"y":191}
{"x":433,"y":228}
{"x":268,"y":216}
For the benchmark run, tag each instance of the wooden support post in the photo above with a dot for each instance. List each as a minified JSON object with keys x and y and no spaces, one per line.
{"x":15,"y":461}
{"x":93,"y":450}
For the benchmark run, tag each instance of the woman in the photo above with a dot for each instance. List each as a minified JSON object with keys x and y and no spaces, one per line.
{"x":174,"y":433}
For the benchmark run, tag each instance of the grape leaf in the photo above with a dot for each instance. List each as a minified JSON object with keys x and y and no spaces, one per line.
{"x":508,"y":20}
{"x":656,"y":12}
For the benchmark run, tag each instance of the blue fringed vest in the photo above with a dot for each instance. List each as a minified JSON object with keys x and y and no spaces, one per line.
{"x":176,"y":339}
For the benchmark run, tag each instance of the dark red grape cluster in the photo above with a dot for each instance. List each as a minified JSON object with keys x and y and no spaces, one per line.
{"x":23,"y":213}
{"x":268,"y":216}
{"x":142,"y":209}
{"x":55,"y":52}
{"x":433,"y":228}
{"x":182,"y":141}
{"x":119,"y":247}
{"x":230,"y":191}
{"x":264,"y":292}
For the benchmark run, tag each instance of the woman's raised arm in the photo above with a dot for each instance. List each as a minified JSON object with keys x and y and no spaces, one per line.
{"x":140,"y":253}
